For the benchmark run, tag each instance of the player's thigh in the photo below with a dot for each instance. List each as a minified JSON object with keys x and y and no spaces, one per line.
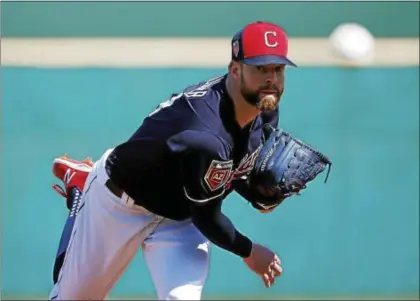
{"x":105,"y":238}
{"x":177,"y":255}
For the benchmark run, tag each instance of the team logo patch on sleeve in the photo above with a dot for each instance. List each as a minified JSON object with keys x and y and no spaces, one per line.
{"x":218,"y":174}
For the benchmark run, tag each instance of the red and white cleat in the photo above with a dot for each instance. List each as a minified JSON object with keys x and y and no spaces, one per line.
{"x":73,"y":173}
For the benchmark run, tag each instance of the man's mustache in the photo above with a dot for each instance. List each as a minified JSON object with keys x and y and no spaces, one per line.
{"x":270,"y":88}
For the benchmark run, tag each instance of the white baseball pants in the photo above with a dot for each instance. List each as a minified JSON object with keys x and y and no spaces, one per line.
{"x":107,"y":233}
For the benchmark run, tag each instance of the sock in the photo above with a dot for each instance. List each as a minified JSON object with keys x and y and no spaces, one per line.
{"x":73,"y":201}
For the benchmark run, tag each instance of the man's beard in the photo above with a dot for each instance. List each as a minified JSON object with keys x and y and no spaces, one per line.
{"x":267,"y":102}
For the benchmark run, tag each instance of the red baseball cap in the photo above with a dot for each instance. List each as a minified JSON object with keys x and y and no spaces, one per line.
{"x":261,"y":43}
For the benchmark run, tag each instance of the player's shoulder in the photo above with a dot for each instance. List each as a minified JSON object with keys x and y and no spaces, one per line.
{"x":206,"y":86}
{"x":207,"y":92}
{"x":190,"y":119}
{"x":200,"y":107}
{"x":205,"y":100}
{"x":189,"y":102}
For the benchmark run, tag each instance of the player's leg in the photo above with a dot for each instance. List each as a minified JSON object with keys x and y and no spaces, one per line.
{"x":74,"y":197}
{"x":106,"y":235}
{"x":177,"y":255}
{"x":73,"y":174}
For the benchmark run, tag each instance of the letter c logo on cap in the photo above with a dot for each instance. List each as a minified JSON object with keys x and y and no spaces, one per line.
{"x":267,"y":34}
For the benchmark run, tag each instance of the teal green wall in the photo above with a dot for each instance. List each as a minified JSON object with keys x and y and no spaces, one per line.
{"x":356,"y":235}
{"x":301,"y":19}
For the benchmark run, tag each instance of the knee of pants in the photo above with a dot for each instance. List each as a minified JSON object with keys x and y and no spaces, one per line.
{"x":185,"y":292}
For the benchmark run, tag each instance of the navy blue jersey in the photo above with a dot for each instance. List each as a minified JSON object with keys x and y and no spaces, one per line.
{"x":188,"y":152}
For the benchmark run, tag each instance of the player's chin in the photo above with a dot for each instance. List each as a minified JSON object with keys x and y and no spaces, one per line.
{"x":268,"y":102}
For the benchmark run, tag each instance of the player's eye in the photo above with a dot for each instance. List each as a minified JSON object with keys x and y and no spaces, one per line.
{"x":280,"y":69}
{"x":260,"y":70}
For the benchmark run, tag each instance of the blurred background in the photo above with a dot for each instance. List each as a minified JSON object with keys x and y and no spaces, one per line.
{"x":78,"y":78}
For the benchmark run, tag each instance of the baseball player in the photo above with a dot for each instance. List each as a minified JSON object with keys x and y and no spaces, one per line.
{"x":162,"y":190}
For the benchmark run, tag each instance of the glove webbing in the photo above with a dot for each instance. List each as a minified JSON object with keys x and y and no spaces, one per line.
{"x":319,"y":154}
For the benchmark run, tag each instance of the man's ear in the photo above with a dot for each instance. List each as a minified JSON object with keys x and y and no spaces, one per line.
{"x":235,"y":69}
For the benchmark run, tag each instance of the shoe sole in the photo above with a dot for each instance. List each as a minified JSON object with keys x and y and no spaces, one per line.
{"x":77,"y":166}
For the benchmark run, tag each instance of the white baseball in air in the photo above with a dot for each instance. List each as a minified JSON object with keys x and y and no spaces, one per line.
{"x":353,"y":43}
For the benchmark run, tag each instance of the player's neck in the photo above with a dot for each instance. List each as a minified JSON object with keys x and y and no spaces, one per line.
{"x":244,"y":112}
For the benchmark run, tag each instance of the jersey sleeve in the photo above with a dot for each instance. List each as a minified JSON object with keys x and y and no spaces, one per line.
{"x":205,"y":171}
{"x":205,"y":168}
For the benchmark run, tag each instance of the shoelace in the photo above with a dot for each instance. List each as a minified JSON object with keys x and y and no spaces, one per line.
{"x":59,"y":190}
